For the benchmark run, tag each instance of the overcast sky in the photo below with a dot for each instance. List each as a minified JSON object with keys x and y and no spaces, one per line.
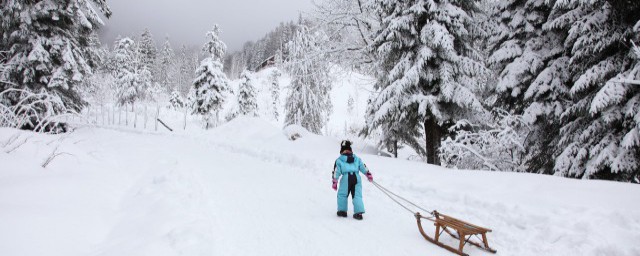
{"x":186,"y":21}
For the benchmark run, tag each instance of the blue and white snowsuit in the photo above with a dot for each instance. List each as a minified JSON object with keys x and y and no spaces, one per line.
{"x":346,"y":169}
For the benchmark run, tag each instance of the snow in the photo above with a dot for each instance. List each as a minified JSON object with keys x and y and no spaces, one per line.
{"x":244,"y":188}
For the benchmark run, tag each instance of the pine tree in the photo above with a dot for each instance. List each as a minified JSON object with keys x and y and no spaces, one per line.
{"x":274,"y":88}
{"x":427,"y":71}
{"x":308,"y":103}
{"x":49,"y":46}
{"x":247,"y":102}
{"x":128,"y":89}
{"x":147,"y":50}
{"x":600,"y":129}
{"x":532,"y":75}
{"x":185,"y":70}
{"x":210,"y":83}
{"x":166,"y":65}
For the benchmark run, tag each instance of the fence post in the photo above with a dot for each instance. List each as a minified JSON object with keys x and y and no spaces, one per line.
{"x":185,"y":118}
{"x":102,"y":114}
{"x":145,"y":116}
{"x":157,"y":116}
{"x":135,"y":116}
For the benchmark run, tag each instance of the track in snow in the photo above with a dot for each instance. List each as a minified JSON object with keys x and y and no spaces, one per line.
{"x":243,"y":189}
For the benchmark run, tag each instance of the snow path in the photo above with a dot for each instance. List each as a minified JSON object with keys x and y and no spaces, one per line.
{"x":243,"y":189}
{"x":254,"y":202}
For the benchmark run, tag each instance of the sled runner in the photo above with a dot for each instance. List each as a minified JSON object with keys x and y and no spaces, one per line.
{"x":463,"y":231}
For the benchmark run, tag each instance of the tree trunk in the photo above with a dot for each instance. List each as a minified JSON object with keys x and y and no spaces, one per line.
{"x":433,"y":135}
{"x":395,"y":148}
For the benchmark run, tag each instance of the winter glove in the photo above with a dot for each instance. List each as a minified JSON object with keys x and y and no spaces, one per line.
{"x":369,"y":176}
{"x":335,"y":184}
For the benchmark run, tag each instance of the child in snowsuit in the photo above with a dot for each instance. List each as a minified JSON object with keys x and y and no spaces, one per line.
{"x":347,"y":166}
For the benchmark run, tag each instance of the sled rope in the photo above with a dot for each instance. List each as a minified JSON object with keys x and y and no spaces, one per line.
{"x":464,"y":231}
{"x":395,"y":198}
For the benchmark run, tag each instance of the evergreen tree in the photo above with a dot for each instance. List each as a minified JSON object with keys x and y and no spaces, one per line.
{"x":166,"y":65}
{"x":308,"y":103}
{"x":50,"y":46}
{"x":126,"y":73}
{"x":247,"y":102}
{"x":147,"y":50}
{"x":600,"y":129}
{"x":427,"y":71}
{"x":210,"y":83}
{"x":185,"y":70}
{"x":274,"y":88}
{"x":532,"y":75}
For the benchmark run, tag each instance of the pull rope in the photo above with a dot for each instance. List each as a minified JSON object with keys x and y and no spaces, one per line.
{"x":395,"y":198}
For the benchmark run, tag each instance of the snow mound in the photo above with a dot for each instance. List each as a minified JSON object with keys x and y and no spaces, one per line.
{"x":294,"y":132}
{"x":245,"y":129}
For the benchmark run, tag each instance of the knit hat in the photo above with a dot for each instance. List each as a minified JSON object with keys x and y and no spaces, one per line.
{"x":345,"y":145}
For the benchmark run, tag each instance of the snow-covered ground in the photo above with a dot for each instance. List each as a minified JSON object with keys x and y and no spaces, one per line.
{"x":245,"y":189}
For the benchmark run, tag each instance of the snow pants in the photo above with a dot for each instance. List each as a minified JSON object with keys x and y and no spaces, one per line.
{"x":350,"y":184}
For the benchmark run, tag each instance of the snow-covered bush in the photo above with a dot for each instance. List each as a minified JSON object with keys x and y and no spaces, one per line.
{"x":294,"y":131}
{"x":40,"y":112}
{"x":176,"y":99}
{"x":496,"y":145}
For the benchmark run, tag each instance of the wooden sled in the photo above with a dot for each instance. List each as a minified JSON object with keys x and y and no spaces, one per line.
{"x":463,"y":232}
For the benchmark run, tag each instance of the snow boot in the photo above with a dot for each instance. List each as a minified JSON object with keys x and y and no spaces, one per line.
{"x":357,"y":216}
{"x":342,"y":213}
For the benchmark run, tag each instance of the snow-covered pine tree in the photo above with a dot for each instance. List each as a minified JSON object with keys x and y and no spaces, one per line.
{"x":166,"y":65}
{"x":247,"y":102}
{"x":427,"y":71}
{"x":211,"y":83}
{"x":600,"y":133}
{"x":147,"y":50}
{"x":185,"y":74}
{"x":48,"y":46}
{"x":274,"y":88}
{"x":148,"y":89}
{"x":308,"y":103}
{"x":128,"y":89}
{"x":532,"y":75}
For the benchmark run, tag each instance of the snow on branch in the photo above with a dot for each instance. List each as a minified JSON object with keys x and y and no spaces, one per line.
{"x":38,"y":111}
{"x":496,"y":146}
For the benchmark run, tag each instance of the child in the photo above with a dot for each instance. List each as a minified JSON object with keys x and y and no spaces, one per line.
{"x":347,"y":167}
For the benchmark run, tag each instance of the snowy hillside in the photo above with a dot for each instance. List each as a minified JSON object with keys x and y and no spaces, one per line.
{"x":245,"y":189}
